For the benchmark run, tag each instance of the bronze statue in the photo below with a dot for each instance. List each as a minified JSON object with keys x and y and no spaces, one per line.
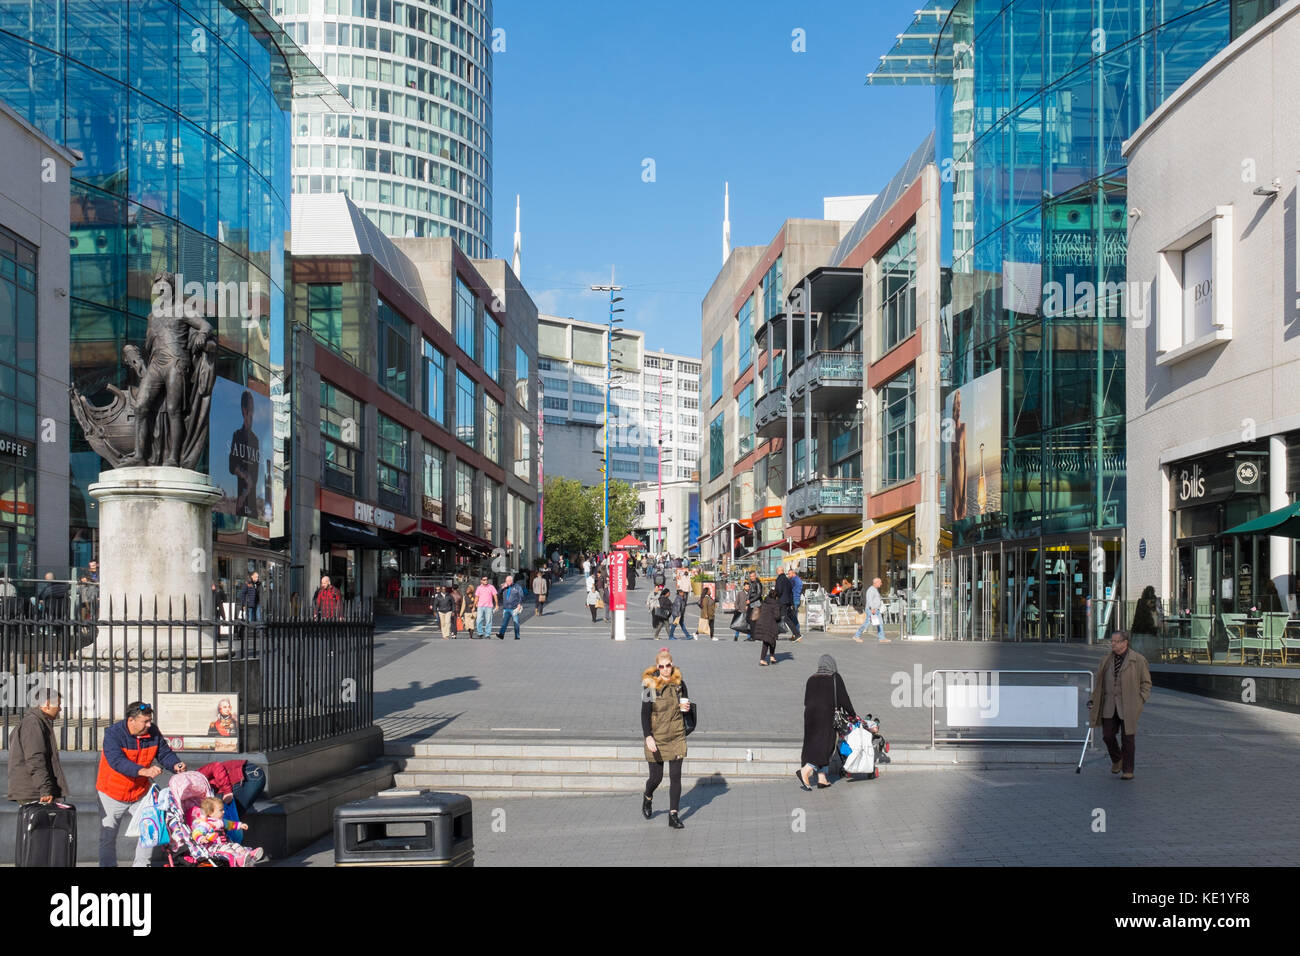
{"x":163,"y":418}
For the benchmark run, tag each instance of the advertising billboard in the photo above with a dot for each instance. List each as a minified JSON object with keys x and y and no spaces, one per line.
{"x":973,"y":436}
{"x":242,"y":451}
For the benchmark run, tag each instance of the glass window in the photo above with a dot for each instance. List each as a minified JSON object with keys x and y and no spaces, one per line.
{"x":898,"y":429}
{"x":744,"y":336}
{"x":521,"y":376}
{"x":717,"y":445}
{"x":340,"y":426}
{"x":465,"y":408}
{"x":325,"y":314}
{"x":464,"y":497}
{"x":715,"y":370}
{"x":435,"y":383}
{"x":435,"y":460}
{"x":745,"y":420}
{"x":898,"y":291}
{"x":491,"y":428}
{"x":773,"y":290}
{"x":559,"y":404}
{"x":393,"y":464}
{"x":523,"y":451}
{"x":465,"y":302}
{"x":491,"y":348}
{"x":394,"y":351}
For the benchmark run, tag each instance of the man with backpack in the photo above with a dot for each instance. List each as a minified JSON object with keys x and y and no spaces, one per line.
{"x":327,"y":602}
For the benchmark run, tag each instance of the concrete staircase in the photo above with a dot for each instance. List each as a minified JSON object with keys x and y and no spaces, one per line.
{"x":603,"y":767}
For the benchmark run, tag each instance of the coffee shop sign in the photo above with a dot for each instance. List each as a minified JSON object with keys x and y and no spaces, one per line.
{"x":369,"y":514}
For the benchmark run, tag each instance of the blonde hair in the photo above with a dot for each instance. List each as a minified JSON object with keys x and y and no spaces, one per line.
{"x":664,"y":655}
{"x":211,"y":806}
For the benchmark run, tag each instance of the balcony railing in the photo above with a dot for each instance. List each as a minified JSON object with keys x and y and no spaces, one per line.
{"x":834,"y":496}
{"x":769,"y":407}
{"x":821,"y":369}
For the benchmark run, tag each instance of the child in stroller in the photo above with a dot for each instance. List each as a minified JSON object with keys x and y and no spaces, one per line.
{"x":188,"y":790}
{"x":209,"y":831}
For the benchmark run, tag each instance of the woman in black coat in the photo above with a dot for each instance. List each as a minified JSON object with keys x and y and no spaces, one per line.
{"x":740,"y":616}
{"x":767,"y":627}
{"x":824,"y":692}
{"x":662,"y":611}
{"x":1144,"y":615}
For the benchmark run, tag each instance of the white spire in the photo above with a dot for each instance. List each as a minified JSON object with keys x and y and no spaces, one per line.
{"x":518,"y":242}
{"x":726,"y":222}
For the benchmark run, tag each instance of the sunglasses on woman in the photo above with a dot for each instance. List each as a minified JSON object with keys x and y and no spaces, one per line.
{"x":662,"y":666}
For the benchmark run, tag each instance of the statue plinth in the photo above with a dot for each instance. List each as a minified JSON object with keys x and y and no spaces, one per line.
{"x":155,"y":547}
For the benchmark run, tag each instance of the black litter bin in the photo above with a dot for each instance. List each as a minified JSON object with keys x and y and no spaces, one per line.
{"x":405,"y":828}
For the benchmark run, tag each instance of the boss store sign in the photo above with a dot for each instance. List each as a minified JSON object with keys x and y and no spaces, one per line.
{"x":1215,"y":478}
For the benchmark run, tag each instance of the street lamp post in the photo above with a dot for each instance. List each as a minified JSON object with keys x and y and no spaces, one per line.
{"x":609,"y":355}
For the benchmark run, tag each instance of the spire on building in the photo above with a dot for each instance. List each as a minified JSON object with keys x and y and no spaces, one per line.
{"x":517,"y":237}
{"x":726,"y":222}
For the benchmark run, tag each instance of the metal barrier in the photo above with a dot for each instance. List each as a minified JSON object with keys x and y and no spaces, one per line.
{"x":981,"y":702}
{"x":298,"y":679}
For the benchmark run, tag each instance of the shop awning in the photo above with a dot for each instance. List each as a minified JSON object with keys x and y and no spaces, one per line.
{"x":862,"y":538}
{"x":1283,"y":523}
{"x":339,"y":531}
{"x":629,"y":543}
{"x":812,"y":552}
{"x":473,"y":543}
{"x":432,"y":529}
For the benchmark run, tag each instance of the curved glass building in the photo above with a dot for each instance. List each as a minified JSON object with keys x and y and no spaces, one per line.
{"x":1034,"y":102}
{"x":181,"y":110}
{"x":416,"y":156}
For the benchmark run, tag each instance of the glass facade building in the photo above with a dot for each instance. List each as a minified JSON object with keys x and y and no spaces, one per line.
{"x":181,"y":109}
{"x":1034,"y":101}
{"x":416,"y":156}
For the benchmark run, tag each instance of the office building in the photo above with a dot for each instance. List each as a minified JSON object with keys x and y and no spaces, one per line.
{"x":653,"y":406}
{"x":416,"y":155}
{"x":1212,"y":260}
{"x":180,"y":111}
{"x":416,"y":408}
{"x":1033,"y":104}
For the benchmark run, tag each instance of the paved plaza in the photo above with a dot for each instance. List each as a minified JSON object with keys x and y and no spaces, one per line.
{"x":1214,"y":786}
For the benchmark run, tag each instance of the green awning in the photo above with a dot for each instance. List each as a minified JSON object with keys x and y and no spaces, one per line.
{"x":1284,"y":523}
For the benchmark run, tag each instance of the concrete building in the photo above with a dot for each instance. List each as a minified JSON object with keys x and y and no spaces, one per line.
{"x":35,"y":182}
{"x":668,"y":516}
{"x":416,"y":363}
{"x":1212,"y":342}
{"x":416,"y":153}
{"x":654,"y":407}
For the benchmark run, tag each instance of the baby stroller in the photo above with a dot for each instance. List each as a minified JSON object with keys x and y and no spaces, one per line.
{"x":182,"y":797}
{"x":857,"y":756}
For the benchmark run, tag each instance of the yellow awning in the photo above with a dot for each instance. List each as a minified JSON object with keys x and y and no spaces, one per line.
{"x":812,"y":552}
{"x":861,"y":538}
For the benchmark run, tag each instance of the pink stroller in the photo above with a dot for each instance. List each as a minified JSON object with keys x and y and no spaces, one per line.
{"x":187,"y":789}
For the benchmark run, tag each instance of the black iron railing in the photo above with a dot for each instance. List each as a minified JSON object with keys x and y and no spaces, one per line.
{"x":298,"y":676}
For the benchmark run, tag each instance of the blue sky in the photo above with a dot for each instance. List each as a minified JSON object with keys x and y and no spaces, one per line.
{"x":712,"y":91}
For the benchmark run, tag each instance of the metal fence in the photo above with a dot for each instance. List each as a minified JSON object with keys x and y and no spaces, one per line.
{"x":297,"y":678}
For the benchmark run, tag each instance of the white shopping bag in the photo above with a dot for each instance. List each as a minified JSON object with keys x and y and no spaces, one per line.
{"x":862,"y":756}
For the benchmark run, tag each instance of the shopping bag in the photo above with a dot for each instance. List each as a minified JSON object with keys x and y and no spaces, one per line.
{"x":862,"y":759}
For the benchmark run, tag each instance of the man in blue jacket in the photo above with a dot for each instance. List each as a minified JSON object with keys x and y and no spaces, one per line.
{"x":126,"y":770}
{"x":512,"y":603}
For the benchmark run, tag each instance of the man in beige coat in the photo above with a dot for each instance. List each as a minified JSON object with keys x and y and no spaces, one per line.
{"x":1121,"y":688}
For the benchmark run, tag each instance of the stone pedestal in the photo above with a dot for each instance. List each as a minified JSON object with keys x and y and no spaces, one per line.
{"x":155,"y":547}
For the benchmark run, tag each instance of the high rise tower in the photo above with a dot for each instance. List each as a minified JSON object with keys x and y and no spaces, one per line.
{"x":416,"y":156}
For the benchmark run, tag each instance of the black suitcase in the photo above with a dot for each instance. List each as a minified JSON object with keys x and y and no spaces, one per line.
{"x":47,"y":835}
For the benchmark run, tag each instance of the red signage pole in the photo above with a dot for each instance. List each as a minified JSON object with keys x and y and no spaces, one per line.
{"x":618,"y":595}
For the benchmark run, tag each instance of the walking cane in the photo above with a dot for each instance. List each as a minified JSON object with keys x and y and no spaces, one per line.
{"x":1086,"y":741}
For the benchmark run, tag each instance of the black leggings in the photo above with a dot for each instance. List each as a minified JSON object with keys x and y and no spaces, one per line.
{"x":674,"y":781}
{"x":593,"y":612}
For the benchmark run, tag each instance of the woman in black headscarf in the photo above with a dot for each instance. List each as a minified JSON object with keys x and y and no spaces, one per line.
{"x":824,"y":692}
{"x":1146,"y":613}
{"x":767,"y":627}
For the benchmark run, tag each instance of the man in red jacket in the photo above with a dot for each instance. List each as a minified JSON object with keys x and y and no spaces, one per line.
{"x":125,"y":772}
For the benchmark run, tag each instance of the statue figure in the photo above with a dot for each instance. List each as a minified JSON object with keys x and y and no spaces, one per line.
{"x":163,"y":418}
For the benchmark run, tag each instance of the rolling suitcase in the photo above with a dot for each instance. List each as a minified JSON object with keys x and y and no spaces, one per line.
{"x":47,"y":835}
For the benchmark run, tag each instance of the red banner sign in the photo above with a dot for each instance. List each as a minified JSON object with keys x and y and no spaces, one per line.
{"x":618,"y":581}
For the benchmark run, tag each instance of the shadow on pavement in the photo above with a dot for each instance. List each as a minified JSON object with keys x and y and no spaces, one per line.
{"x":705,"y":791}
{"x":404,"y":698}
